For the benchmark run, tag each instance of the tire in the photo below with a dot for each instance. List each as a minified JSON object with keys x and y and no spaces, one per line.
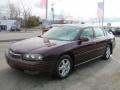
{"x":107,"y":53}
{"x":63,"y":67}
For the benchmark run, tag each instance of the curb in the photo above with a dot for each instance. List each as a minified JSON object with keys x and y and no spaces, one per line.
{"x":11,"y":40}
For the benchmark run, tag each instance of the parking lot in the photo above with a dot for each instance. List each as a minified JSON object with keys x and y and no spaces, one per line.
{"x":96,"y":75}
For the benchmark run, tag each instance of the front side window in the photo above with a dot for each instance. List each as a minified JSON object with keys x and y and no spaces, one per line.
{"x":98,"y":32}
{"x":87,"y":33}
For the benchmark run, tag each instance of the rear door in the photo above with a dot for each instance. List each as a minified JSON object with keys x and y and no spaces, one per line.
{"x":100,"y":41}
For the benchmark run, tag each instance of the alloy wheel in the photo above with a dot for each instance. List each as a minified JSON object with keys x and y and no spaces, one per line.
{"x":108,"y":51}
{"x":64,"y":67}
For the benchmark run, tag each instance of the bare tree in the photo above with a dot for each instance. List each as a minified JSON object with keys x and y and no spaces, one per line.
{"x":14,"y":12}
{"x":26,"y":13}
{"x":3,"y":11}
{"x":18,"y":12}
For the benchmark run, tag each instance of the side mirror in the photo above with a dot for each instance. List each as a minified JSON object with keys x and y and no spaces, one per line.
{"x":39,"y":36}
{"x":84,"y":39}
{"x":111,"y":32}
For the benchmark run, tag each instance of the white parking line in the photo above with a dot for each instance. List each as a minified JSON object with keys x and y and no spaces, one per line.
{"x":115,"y":59}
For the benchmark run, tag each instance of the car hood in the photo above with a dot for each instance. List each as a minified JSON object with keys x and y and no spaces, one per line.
{"x":34,"y":44}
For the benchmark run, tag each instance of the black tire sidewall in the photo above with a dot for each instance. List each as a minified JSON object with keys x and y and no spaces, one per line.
{"x":57,"y":64}
{"x":106,"y":58}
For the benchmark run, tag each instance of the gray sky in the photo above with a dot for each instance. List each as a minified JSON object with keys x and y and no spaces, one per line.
{"x":75,"y":8}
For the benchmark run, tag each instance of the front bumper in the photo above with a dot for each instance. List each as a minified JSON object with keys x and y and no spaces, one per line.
{"x":18,"y":63}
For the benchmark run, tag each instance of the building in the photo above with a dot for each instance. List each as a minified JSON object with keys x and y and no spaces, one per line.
{"x":7,"y":25}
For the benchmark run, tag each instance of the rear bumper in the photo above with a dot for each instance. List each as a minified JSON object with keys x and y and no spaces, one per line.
{"x":41,"y":66}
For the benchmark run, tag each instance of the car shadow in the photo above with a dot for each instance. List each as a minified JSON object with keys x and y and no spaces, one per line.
{"x":18,"y":80}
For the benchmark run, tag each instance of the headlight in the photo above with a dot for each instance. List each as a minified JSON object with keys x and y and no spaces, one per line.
{"x":32,"y":57}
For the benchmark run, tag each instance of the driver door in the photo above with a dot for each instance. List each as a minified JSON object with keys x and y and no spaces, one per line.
{"x":86,"y":50}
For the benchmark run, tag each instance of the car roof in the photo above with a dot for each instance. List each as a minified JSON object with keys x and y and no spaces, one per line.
{"x":76,"y":25}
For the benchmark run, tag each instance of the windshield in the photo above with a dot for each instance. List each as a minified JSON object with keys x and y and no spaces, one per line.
{"x":65,"y":33}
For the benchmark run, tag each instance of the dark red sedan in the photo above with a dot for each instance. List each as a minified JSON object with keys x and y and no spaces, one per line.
{"x":61,"y":49}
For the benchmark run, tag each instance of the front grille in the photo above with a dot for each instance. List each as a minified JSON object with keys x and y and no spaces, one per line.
{"x":14,"y":54}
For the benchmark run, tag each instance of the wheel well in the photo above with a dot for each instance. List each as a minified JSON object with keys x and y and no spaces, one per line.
{"x":111,"y":47}
{"x":71,"y":55}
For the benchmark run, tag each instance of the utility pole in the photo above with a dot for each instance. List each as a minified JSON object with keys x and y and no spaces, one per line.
{"x":103,"y":15}
{"x":52,"y":10}
{"x":99,"y":21}
{"x":46,"y":10}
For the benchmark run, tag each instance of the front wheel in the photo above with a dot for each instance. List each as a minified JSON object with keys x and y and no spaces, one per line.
{"x":107,"y":53}
{"x":63,"y":67}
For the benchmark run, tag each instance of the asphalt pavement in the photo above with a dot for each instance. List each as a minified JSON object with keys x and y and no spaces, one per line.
{"x":96,"y":75}
{"x":15,"y":36}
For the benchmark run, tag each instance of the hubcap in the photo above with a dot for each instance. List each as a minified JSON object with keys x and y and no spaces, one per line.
{"x":64,"y":67}
{"x":108,"y":52}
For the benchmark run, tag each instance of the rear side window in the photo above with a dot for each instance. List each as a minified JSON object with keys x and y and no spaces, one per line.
{"x":117,"y":29}
{"x":98,"y":32}
{"x":88,"y":33}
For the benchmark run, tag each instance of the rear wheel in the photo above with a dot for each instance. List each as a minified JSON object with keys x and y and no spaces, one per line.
{"x":107,"y":53}
{"x":63,"y":67}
